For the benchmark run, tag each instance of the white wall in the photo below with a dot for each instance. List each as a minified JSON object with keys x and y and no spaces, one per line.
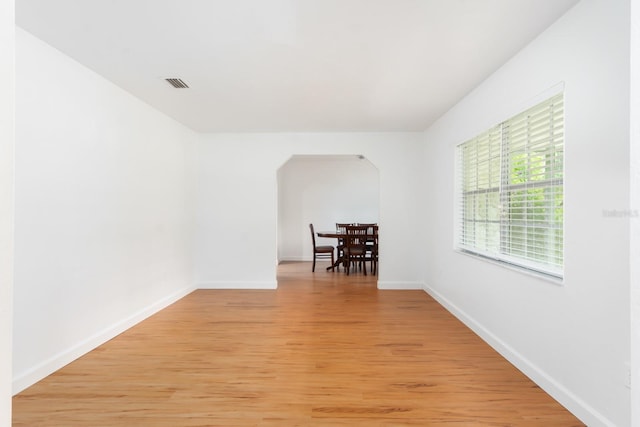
{"x":635,"y":205}
{"x":573,"y":339}
{"x":238,"y":202}
{"x":7,"y":62}
{"x":104,"y":210}
{"x":322,"y":190}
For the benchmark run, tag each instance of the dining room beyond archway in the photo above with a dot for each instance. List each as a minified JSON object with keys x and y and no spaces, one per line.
{"x":323,"y":190}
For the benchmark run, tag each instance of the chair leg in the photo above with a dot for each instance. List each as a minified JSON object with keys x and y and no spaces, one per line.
{"x":332,"y":262}
{"x":313,"y":269}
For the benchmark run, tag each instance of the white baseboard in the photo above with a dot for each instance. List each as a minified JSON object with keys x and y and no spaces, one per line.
{"x":399,"y":285}
{"x":238,"y":285}
{"x":58,"y":361}
{"x":296,"y":258}
{"x":569,"y":400}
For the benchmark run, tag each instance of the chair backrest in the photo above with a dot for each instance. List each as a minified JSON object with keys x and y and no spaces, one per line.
{"x":356,"y":235}
{"x":373,"y":227}
{"x":341,"y":227}
{"x":374,"y":239}
{"x":313,"y":235}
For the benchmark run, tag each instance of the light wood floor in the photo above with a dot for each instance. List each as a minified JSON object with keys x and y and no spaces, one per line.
{"x":322,"y":350}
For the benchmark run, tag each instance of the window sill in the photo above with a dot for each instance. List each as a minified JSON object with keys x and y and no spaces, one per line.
{"x":520,"y":269}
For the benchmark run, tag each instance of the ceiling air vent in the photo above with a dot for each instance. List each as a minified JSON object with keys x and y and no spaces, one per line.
{"x":177,"y":83}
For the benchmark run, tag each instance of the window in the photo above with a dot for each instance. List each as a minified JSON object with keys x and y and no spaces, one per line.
{"x":511,"y":190}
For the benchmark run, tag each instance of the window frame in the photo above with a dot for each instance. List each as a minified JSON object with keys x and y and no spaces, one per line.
{"x":548,"y":233}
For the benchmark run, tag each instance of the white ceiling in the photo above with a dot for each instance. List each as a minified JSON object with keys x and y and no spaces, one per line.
{"x":293,"y":65}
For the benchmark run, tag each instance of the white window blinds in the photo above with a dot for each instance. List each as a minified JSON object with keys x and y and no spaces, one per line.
{"x":511,"y":190}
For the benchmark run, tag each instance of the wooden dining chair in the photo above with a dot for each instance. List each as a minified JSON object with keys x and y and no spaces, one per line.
{"x":320,"y":252}
{"x":370,"y":229}
{"x":341,"y":227}
{"x":372,"y":249}
{"x":372,"y":245}
{"x":355,"y":248}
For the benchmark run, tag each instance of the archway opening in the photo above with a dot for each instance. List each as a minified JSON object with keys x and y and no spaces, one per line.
{"x":323,"y":190}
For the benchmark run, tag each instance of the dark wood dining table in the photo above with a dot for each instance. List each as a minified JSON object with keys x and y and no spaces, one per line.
{"x":334,"y":234}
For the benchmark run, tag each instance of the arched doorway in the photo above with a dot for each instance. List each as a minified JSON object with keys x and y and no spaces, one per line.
{"x":323,"y":190}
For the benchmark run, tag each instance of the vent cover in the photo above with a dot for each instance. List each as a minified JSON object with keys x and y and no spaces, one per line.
{"x":177,"y":83}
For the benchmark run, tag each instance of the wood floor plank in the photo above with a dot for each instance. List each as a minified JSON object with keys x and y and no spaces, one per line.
{"x":323,"y":349}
